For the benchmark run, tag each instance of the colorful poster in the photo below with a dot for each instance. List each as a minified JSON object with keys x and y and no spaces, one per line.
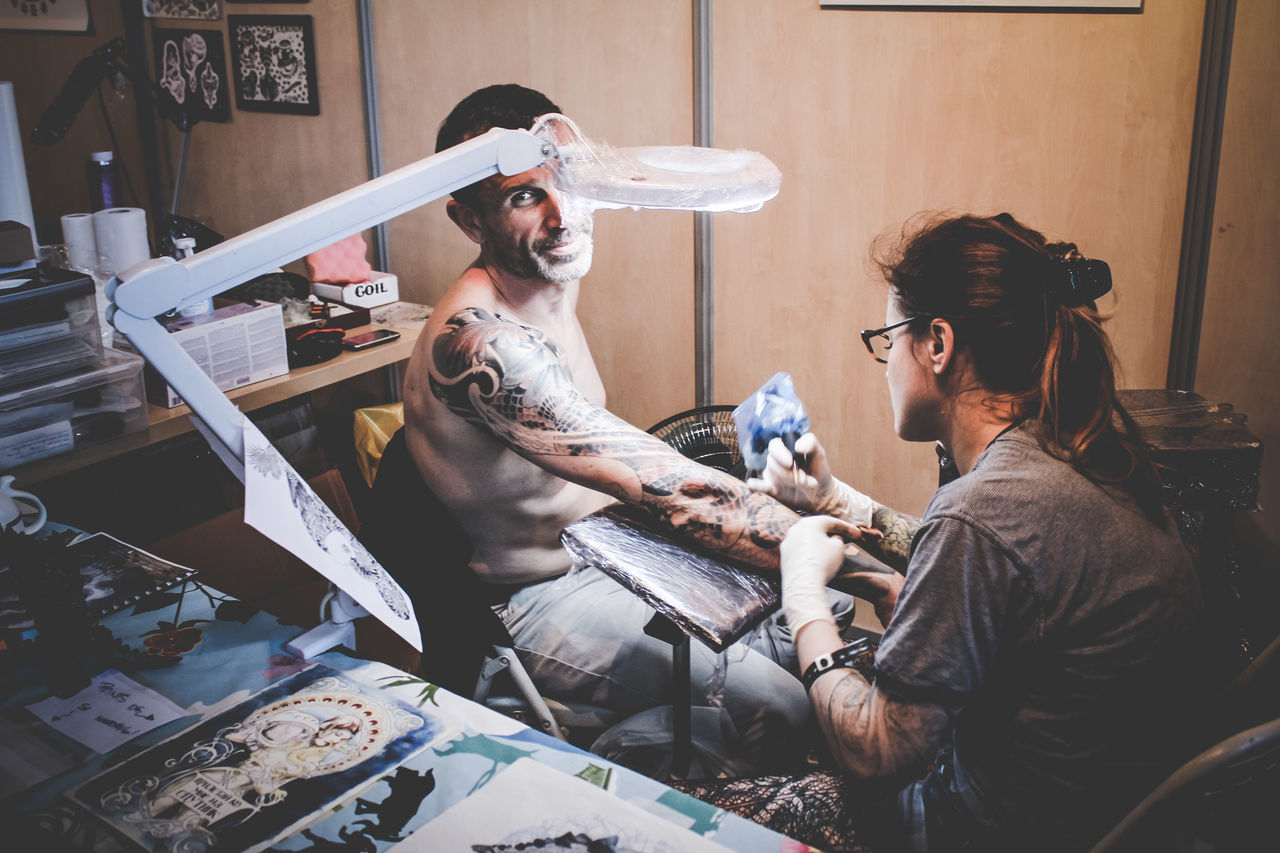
{"x":530,"y":806}
{"x":262,"y":769}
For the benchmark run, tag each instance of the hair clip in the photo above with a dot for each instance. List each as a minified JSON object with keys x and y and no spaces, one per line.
{"x":1080,"y":280}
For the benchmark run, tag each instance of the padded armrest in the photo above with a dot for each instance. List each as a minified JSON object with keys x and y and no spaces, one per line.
{"x":711,"y":598}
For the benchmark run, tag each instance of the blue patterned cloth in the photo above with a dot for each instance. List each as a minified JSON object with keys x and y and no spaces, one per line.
{"x":228,"y":651}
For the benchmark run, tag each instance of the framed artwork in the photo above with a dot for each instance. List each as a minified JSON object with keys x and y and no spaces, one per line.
{"x":978,"y":5}
{"x":191,"y":10}
{"x":67,"y":16}
{"x":191,"y":68}
{"x":273,"y":60}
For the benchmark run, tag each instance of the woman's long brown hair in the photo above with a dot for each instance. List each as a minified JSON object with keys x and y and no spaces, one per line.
{"x":1034,"y":346}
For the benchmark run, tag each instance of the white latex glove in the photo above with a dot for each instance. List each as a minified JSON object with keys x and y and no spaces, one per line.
{"x":812,"y":553}
{"x":804,"y":482}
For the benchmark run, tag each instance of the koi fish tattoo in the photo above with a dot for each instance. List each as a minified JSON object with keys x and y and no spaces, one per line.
{"x":510,"y":380}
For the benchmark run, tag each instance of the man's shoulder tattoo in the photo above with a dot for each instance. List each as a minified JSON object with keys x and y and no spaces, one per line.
{"x":482,"y":360}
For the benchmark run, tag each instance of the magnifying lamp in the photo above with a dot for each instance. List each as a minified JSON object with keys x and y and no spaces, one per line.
{"x":674,"y":178}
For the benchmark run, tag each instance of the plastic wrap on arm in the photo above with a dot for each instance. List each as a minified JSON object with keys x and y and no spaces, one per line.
{"x":712,"y":599}
{"x":774,"y":411}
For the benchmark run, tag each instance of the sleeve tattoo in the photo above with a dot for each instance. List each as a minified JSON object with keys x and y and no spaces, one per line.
{"x":897,"y":530}
{"x":870,"y":732}
{"x":508,"y":379}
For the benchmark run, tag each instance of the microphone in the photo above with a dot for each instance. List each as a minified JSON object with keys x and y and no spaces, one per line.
{"x":84,"y":79}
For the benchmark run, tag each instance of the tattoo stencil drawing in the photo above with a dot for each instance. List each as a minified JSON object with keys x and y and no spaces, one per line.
{"x":325,"y":530}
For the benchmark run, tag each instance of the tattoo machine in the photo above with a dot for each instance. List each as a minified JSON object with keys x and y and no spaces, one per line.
{"x":774,"y":411}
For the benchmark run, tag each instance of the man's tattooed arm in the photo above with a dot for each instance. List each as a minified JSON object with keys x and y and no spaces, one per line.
{"x":508,"y":380}
{"x":897,"y":529}
{"x":871,"y":733}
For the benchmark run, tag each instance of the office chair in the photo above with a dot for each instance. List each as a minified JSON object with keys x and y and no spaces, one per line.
{"x":1226,"y":798}
{"x":1253,"y":696}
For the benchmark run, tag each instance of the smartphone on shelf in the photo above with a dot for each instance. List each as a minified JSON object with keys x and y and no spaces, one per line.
{"x":370,"y":339}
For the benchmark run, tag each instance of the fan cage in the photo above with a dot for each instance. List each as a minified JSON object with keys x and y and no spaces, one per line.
{"x":707,"y":435}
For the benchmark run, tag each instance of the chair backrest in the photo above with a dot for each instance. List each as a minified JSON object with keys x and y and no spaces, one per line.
{"x":1227,"y":797}
{"x":416,"y":539}
{"x":1253,"y":696}
{"x":1228,"y":793}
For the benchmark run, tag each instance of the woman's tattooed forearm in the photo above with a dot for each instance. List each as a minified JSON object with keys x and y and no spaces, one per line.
{"x":897,"y":530}
{"x":871,"y":734}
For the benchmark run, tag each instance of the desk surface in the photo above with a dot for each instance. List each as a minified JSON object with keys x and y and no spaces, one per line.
{"x":168,"y":423}
{"x":228,"y":653}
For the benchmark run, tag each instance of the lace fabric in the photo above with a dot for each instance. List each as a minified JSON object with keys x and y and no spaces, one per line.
{"x":813,"y":809}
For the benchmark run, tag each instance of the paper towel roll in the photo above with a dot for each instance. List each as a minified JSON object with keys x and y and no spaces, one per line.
{"x":15,"y":199}
{"x":121,"y":237}
{"x":82,"y":246}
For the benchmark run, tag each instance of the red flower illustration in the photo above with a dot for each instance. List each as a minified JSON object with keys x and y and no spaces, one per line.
{"x":172,"y":640}
{"x":282,"y":665}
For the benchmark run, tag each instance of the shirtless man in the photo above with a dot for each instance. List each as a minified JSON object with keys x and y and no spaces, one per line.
{"x":505,"y":420}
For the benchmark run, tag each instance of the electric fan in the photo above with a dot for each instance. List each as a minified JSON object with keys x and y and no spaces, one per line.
{"x":707,"y":435}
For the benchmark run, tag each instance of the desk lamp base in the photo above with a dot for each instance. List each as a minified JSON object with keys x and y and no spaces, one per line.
{"x":339,"y":629}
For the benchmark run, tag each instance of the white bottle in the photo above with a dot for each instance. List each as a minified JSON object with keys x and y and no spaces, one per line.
{"x":185,"y":247}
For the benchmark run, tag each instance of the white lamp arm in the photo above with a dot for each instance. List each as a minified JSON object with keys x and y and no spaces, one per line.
{"x":154,"y":287}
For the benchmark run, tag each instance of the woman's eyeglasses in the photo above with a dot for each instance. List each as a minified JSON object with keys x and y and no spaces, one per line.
{"x":878,"y":341}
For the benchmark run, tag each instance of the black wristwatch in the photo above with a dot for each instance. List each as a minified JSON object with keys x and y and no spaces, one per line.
{"x":839,"y":659}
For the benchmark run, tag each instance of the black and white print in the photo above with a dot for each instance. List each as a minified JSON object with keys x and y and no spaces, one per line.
{"x":274,"y":63}
{"x":191,"y":70}
{"x":69,"y":16}
{"x":192,"y":10}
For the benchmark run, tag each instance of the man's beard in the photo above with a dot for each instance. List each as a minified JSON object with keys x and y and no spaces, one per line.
{"x":535,"y":262}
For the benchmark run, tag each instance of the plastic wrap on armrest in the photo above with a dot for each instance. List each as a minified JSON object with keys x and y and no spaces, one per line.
{"x":710,"y":598}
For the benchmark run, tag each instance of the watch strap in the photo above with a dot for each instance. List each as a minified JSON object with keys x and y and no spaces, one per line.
{"x":841,"y":658}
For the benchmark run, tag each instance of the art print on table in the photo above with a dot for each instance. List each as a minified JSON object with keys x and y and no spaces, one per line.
{"x":193,"y":10}
{"x":115,"y":574}
{"x":191,"y":70}
{"x":531,"y":806}
{"x":254,"y":773}
{"x":273,"y":58}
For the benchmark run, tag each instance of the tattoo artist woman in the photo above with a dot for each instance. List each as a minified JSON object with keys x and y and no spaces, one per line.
{"x":1031,"y":652}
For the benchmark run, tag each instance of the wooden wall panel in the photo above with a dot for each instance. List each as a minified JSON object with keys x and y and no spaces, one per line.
{"x":1239,"y":360}
{"x":1079,"y":124}
{"x":240,"y":174}
{"x":623,"y":71}
{"x":38,"y":64}
{"x":261,"y":166}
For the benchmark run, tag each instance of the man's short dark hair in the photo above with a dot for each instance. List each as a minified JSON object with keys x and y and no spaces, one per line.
{"x":504,"y":105}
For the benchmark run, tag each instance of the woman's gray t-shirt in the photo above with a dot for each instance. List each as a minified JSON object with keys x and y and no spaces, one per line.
{"x":1052,"y":613}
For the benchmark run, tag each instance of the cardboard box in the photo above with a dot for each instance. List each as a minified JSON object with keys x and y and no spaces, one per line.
{"x":380,"y":289}
{"x":236,"y":345}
